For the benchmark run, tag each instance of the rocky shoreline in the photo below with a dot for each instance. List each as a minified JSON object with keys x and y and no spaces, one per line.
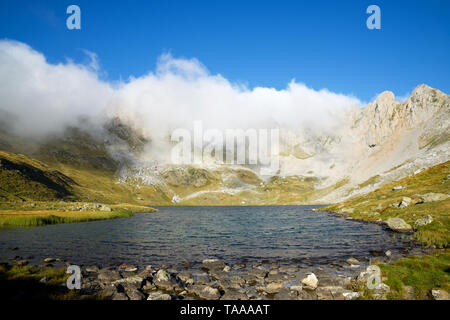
{"x":216,"y":280}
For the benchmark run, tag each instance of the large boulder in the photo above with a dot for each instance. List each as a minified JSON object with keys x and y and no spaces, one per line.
{"x":431,"y":197}
{"x":398,"y":225}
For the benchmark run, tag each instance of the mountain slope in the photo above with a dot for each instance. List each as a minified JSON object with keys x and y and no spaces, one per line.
{"x":111,"y":162}
{"x":427,"y":194}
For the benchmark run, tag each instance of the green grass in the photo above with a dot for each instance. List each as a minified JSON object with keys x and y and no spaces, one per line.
{"x":422,"y":273}
{"x":34,"y":220}
{"x":22,"y":283}
{"x":433,"y":179}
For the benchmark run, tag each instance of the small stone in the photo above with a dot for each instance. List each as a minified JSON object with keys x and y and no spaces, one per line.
{"x":311,"y":281}
{"x":127,"y":268}
{"x":353,"y":261}
{"x":119,"y":296}
{"x":186,"y":277}
{"x":105,"y":208}
{"x":285,"y":294}
{"x":388,"y":253}
{"x":405,"y":202}
{"x":210,"y":264}
{"x":158,"y":296}
{"x":288,"y":269}
{"x":44,"y":280}
{"x":108,"y":291}
{"x":92,"y":269}
{"x":351,"y":295}
{"x":408,"y":293}
{"x":205,"y":292}
{"x":136,"y":295}
{"x":439,"y":294}
{"x":218,"y":274}
{"x":371,"y":271}
{"x":380,"y":290}
{"x":297,"y":288}
{"x":227,"y":268}
{"x":258,"y":272}
{"x":162,"y":275}
{"x":50,"y":260}
{"x":233,"y":294}
{"x":107,"y":275}
{"x":273,"y":287}
{"x":398,"y":188}
{"x":148,"y":286}
{"x":423,"y":221}
{"x":22,"y":263}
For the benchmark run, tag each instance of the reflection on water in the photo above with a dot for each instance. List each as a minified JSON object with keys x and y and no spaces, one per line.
{"x":177,"y":234}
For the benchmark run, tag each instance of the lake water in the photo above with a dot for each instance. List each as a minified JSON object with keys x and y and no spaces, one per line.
{"x":175,"y":234}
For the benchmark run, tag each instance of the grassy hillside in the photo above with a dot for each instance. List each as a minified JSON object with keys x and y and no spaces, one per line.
{"x":22,"y":177}
{"x":383,"y":204}
{"x":411,"y":277}
{"x":34,"y":193}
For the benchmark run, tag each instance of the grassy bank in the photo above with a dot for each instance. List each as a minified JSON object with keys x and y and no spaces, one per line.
{"x":383,"y":204}
{"x":41,"y":217}
{"x":421,"y":273}
{"x":23,"y":283}
{"x":412,"y":277}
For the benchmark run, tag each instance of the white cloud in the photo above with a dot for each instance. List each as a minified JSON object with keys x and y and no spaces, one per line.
{"x":46,"y":97}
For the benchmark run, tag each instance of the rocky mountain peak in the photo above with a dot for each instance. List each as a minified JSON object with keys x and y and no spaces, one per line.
{"x":385,"y":98}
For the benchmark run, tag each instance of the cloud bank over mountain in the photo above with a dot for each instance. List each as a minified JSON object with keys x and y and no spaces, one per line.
{"x":43,"y":98}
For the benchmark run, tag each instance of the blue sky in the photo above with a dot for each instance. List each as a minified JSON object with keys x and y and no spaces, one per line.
{"x":324,"y":44}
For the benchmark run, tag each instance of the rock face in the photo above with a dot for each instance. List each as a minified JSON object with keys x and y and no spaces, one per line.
{"x":423,"y":221}
{"x":398,"y":225}
{"x":386,"y":140}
